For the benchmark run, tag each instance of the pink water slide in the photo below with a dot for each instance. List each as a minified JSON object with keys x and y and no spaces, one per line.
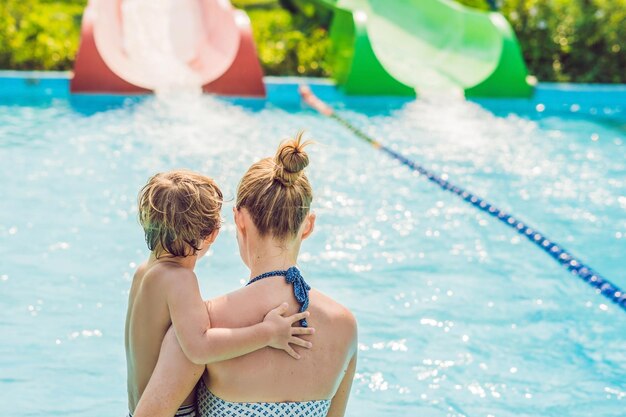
{"x":206,"y":41}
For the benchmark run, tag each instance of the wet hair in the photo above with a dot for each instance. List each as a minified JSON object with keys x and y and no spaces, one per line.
{"x":177,"y":210}
{"x":276,"y":191}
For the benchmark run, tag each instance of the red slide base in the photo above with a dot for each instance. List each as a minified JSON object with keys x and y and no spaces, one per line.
{"x":245,"y":76}
{"x":93,"y":76}
{"x":91,"y":73}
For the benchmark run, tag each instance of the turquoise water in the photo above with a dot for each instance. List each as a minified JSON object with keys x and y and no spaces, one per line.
{"x":458,"y":315}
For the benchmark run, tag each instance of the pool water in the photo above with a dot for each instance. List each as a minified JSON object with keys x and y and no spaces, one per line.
{"x":458,"y":315}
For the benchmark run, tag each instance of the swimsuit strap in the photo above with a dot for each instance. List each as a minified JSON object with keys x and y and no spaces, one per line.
{"x":300,"y":287}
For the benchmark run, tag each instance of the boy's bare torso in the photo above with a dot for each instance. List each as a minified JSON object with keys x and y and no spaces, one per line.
{"x":147,"y":321}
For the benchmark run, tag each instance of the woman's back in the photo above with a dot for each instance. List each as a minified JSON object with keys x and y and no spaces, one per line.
{"x":269,"y":375}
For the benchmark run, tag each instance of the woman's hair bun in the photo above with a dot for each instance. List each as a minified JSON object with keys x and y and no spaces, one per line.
{"x":290,"y":160}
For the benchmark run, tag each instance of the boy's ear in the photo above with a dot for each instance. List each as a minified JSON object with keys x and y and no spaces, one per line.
{"x":309,"y":225}
{"x":211,"y":237}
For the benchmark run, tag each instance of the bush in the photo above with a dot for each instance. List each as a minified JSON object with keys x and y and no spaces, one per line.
{"x":39,"y":34}
{"x":565,"y":40}
{"x":290,"y":44}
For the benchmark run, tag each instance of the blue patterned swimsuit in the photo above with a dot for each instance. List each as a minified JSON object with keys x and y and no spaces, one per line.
{"x":210,"y":405}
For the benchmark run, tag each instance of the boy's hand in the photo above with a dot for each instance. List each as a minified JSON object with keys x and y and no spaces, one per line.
{"x":282,"y":334}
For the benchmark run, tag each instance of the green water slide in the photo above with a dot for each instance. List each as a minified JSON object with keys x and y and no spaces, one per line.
{"x":404,"y":47}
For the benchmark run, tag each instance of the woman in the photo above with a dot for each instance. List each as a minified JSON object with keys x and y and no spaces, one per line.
{"x":272,"y":217}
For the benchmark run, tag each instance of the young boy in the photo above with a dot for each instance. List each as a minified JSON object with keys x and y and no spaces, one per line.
{"x":180,"y":214}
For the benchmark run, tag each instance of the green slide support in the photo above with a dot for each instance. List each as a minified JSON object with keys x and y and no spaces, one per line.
{"x":404,"y":47}
{"x":356,"y":67}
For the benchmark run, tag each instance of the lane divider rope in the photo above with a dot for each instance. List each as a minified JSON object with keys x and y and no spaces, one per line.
{"x":573,"y":264}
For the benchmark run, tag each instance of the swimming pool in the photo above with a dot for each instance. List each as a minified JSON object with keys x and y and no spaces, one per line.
{"x":458,"y":315}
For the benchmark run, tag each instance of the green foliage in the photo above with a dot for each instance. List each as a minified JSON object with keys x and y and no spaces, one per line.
{"x":571,"y":40}
{"x":289,"y":44}
{"x":39,"y":34}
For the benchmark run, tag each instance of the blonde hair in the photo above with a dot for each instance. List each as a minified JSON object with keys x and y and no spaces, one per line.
{"x":276,"y":191}
{"x":177,"y":210}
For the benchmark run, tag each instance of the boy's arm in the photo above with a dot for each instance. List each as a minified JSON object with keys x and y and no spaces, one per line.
{"x":203,"y":345}
{"x":172,"y":381}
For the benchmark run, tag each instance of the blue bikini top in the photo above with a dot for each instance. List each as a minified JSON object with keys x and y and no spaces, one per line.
{"x":300,"y":287}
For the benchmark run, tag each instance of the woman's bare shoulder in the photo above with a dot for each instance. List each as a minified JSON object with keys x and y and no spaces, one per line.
{"x":328,"y":307}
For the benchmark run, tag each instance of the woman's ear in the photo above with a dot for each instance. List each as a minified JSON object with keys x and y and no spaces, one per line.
{"x":309,"y":225}
{"x":239,"y":220}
